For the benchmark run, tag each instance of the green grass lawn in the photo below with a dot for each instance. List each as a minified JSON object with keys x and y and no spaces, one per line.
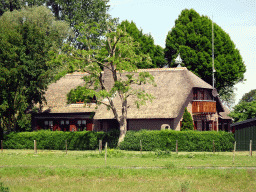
{"x":23,"y":170}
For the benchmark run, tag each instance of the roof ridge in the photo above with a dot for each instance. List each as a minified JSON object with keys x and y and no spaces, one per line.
{"x":163,"y":69}
{"x":138,"y":70}
{"x":77,"y":73}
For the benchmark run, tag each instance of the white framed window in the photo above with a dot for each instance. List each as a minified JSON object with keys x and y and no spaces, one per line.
{"x":62,"y":122}
{"x":79,"y":122}
{"x":67,"y":122}
{"x":83,"y":122}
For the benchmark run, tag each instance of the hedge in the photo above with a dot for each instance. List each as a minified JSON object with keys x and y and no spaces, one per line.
{"x":151,"y":140}
{"x":55,"y":140}
{"x":187,"y":140}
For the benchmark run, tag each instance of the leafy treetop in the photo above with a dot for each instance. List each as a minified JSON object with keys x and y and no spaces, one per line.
{"x":147,"y":46}
{"x":192,"y":38}
{"x":246,"y":108}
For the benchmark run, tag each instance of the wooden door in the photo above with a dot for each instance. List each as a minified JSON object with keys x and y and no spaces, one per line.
{"x":215,"y":126}
{"x":195,"y":125}
{"x":55,"y":125}
{"x":89,"y":125}
{"x":72,"y":126}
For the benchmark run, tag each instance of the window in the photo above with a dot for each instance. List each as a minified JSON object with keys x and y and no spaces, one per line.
{"x":48,"y":124}
{"x":81,"y":125}
{"x":201,"y":94}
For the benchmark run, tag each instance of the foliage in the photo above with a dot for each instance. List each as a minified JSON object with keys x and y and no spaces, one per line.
{"x":26,"y":38}
{"x":192,"y":38}
{"x":82,"y":140}
{"x":244,"y":110}
{"x":249,"y":97}
{"x":187,"y":140}
{"x":147,"y":46}
{"x":82,"y":12}
{"x":187,"y":122}
{"x":228,"y":97}
{"x":117,"y":56}
{"x":74,"y":12}
{"x":79,"y":94}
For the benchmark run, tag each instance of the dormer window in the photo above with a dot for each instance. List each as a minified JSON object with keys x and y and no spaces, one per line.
{"x":201,"y":94}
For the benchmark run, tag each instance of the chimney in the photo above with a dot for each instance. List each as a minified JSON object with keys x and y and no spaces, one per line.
{"x":108,"y":79}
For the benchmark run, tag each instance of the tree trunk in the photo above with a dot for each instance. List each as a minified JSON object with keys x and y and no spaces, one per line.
{"x":123,"y":130}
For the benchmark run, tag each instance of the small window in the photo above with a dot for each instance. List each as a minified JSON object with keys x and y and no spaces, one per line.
{"x":79,"y":122}
{"x":45,"y":122}
{"x":165,"y":127}
{"x":83,"y":122}
{"x":67,"y":122}
{"x":50,"y":123}
{"x":62,"y":122}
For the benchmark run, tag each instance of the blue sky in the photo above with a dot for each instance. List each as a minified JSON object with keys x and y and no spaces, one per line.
{"x":236,"y":17}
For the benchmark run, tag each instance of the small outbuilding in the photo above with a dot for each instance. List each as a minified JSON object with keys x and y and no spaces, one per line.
{"x":245,"y":131}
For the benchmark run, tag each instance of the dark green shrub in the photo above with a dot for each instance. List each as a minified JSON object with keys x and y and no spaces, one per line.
{"x":165,"y":140}
{"x":55,"y":140}
{"x":187,"y":122}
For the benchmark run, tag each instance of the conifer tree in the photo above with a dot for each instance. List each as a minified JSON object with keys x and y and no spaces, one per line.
{"x":192,"y":38}
{"x":187,"y":122}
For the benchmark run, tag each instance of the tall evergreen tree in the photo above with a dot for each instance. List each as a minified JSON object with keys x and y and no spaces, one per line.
{"x":187,"y":122}
{"x":192,"y":38}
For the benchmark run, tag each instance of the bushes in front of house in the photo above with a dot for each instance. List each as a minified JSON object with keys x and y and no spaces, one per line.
{"x":187,"y":140}
{"x":151,"y":140}
{"x":55,"y":140}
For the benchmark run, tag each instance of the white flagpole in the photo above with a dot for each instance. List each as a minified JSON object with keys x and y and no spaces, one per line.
{"x":212,"y":55}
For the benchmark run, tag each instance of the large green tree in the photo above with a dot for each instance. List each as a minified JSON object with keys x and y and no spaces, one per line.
{"x":246,"y":108}
{"x":147,"y":46}
{"x":27,"y":38}
{"x":192,"y":38}
{"x":72,"y":11}
{"x":86,"y":12}
{"x":117,"y":55}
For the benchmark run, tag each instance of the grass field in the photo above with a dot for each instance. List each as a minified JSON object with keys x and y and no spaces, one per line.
{"x":23,"y":170}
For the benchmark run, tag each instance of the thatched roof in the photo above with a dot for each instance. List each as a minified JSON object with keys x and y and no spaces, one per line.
{"x":56,"y":95}
{"x":224,"y":115}
{"x":173,"y":87}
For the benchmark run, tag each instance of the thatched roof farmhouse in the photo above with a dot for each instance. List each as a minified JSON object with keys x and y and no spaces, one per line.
{"x":176,"y":89}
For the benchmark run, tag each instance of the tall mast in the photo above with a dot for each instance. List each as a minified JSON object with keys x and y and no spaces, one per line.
{"x":212,"y":55}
